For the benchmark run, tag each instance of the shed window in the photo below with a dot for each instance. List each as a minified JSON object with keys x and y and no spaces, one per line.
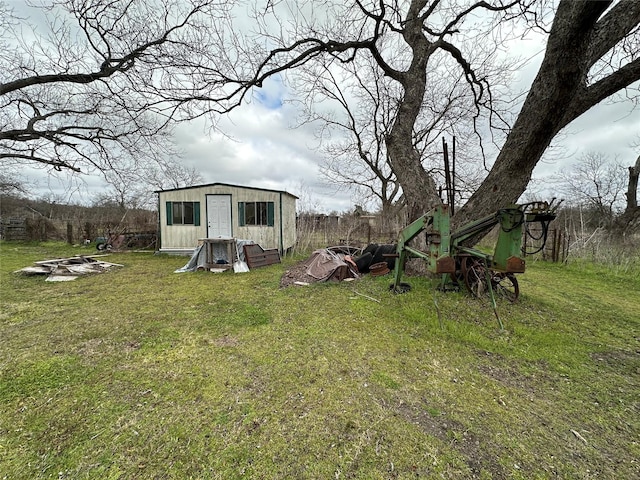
{"x":183,"y":213}
{"x":256,"y":213}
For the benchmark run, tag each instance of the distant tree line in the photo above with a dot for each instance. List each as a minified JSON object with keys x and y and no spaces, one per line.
{"x":602,"y":192}
{"x":47,"y":220}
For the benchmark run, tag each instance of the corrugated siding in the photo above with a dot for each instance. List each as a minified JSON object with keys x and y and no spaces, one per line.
{"x":289,"y":221}
{"x":186,"y":236}
{"x":182,"y":236}
{"x":267,"y":237}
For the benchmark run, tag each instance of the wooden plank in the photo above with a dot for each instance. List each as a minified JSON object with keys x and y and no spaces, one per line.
{"x":60,"y":278}
{"x":34,"y":270}
{"x":82,"y":269}
{"x":69,"y":267}
{"x":53,"y":261}
{"x":256,"y":256}
{"x":75,"y":259}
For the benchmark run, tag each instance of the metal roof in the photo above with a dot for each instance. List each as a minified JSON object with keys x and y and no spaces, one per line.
{"x":216,"y":184}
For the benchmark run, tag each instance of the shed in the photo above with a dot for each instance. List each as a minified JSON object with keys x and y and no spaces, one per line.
{"x":220,"y":210}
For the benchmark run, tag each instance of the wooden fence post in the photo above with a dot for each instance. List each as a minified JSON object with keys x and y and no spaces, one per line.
{"x":43,"y":230}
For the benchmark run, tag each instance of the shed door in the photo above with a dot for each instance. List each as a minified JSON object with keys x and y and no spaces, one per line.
{"x":218,"y":216}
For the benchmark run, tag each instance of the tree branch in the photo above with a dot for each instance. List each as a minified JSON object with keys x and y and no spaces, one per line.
{"x":590,"y":96}
{"x":613,"y":27}
{"x":56,"y":164}
{"x":449,"y":28}
{"x":108,"y":68}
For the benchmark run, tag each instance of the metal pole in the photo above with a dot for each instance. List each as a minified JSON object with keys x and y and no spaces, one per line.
{"x":453,"y":179}
{"x":447,"y":171}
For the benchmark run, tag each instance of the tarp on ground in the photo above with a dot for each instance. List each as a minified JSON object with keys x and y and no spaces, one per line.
{"x":198,"y":258}
{"x":324,"y":265}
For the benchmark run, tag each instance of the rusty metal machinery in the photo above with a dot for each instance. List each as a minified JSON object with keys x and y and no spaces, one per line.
{"x":480,"y":273}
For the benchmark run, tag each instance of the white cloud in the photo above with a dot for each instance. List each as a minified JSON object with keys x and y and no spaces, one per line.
{"x":255,"y":146}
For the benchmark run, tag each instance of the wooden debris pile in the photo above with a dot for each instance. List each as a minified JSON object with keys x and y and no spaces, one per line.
{"x":65,"y":269}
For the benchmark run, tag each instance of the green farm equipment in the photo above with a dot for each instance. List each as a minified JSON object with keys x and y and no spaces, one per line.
{"x":481,"y":273}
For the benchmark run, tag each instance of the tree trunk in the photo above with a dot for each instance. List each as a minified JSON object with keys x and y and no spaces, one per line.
{"x":632,"y":190}
{"x":560,"y":80}
{"x":419,"y":188}
{"x":629,"y":221}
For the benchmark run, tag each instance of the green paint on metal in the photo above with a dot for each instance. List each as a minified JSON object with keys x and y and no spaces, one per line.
{"x":446,"y":255}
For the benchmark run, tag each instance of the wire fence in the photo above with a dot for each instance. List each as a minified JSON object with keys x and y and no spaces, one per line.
{"x":41,"y":229}
{"x":563,"y":242}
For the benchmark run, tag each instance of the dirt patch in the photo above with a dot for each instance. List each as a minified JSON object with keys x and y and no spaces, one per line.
{"x":226,"y":341}
{"x":297,"y":273}
{"x":495,"y":366}
{"x":616,"y":357}
{"x":625,"y":362}
{"x":98,"y":346}
{"x":92,"y":347}
{"x":454,"y":434}
{"x":435,"y":425}
{"x":334,"y":264}
{"x":507,"y":376}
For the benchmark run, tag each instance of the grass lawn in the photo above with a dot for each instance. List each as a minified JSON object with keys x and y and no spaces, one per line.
{"x":143,"y":373}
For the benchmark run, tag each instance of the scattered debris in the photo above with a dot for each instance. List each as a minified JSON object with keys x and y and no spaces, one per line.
{"x":240,"y":266}
{"x":578,"y":436}
{"x":66,"y":269}
{"x":323,"y":265}
{"x":341,"y":263}
{"x":214,"y":270}
{"x":379,"y":269}
{"x":367,"y":296}
{"x":217,"y":255}
{"x":375,"y":256}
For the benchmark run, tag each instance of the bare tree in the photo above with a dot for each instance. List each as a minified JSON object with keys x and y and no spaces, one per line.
{"x":366,"y":106}
{"x":352,"y":134}
{"x":595,"y":183}
{"x":591,"y":54}
{"x":125,"y":191}
{"x":11,"y":185}
{"x":135,"y":189}
{"x":151,"y":68}
{"x":629,"y":221}
{"x":167,"y":176}
{"x":100,"y":90}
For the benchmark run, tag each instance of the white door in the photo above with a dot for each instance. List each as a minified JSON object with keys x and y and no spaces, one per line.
{"x":218,"y":216}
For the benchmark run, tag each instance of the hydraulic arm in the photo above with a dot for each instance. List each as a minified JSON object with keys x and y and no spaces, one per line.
{"x":447,"y":255}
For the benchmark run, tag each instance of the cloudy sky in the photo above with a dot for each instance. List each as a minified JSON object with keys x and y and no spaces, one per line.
{"x":260,"y":149}
{"x":266,"y":153}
